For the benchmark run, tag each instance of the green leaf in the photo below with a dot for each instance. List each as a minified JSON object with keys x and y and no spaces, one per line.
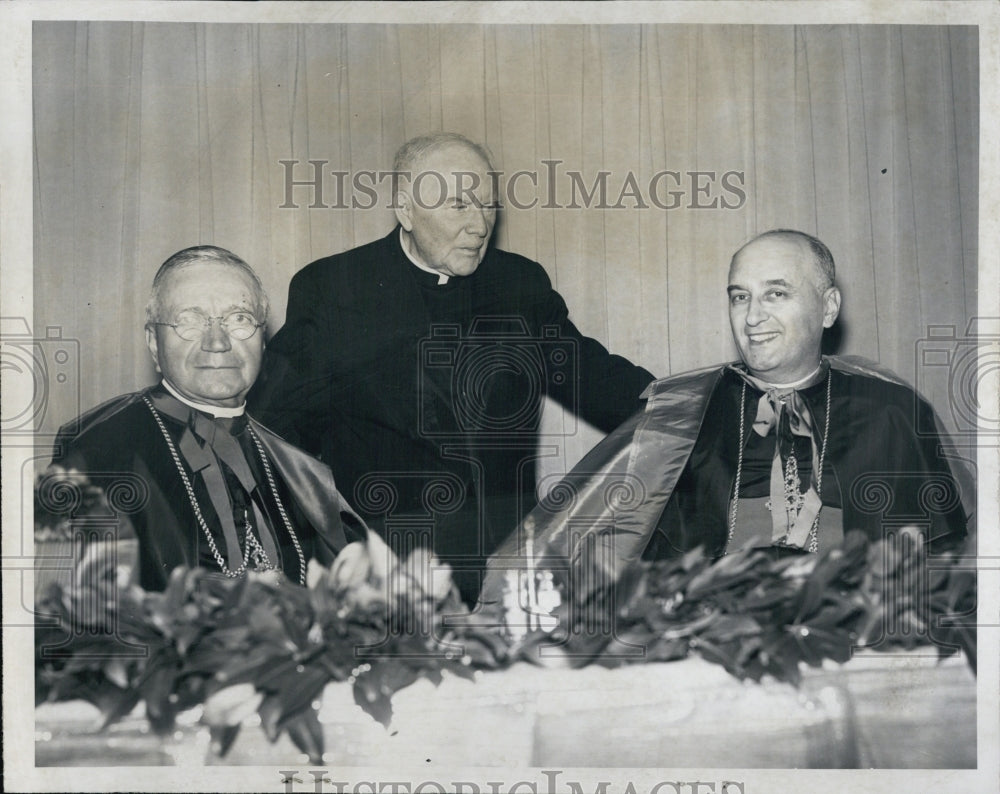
{"x":222,"y":737}
{"x":667,"y":650}
{"x":156,"y":691}
{"x":192,"y":689}
{"x":245,"y":667}
{"x":817,"y":644}
{"x":481,"y":650}
{"x":465,"y":671}
{"x":270,"y":716}
{"x":830,"y":566}
{"x":211,"y":661}
{"x":165,"y":610}
{"x":784,"y":664}
{"x":839,"y":611}
{"x":718,"y":654}
{"x":185,"y":635}
{"x":769,"y":597}
{"x":372,"y":700}
{"x":729,"y":627}
{"x":724,"y":573}
{"x":114,"y":703}
{"x":393,"y":675}
{"x":299,"y":692}
{"x":486,"y":646}
{"x":307,"y":734}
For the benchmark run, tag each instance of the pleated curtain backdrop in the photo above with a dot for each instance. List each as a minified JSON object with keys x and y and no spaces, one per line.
{"x":151,"y":137}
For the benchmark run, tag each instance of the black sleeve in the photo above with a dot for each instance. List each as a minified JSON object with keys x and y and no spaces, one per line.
{"x":604,"y":388}
{"x":93,"y":463}
{"x":900,"y":472}
{"x":949,"y":498}
{"x":92,"y":450}
{"x":292,"y":394}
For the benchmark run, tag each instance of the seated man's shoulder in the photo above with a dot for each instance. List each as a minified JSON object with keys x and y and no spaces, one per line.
{"x":106,"y":428}
{"x":698,"y":379}
{"x":876,"y":391}
{"x":867,"y":380}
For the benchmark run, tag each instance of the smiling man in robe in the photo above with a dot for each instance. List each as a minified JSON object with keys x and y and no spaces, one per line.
{"x":786,"y":448}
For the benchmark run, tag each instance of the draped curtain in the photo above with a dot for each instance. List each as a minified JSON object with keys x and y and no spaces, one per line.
{"x":150,"y":137}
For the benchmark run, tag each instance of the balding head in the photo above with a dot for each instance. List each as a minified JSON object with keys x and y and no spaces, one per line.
{"x":411,"y":154}
{"x":822,"y":259}
{"x":446,"y":202}
{"x":781,"y":297}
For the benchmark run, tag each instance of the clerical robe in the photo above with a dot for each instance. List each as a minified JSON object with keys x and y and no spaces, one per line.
{"x":663,"y":482}
{"x":120,"y":445}
{"x":425,"y":398}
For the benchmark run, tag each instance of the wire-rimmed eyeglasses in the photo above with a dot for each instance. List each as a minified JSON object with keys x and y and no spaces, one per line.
{"x":191,"y":325}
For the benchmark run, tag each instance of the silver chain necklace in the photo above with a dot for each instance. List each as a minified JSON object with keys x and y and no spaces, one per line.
{"x":277,"y":500}
{"x":813,"y":539}
{"x":252,"y":544}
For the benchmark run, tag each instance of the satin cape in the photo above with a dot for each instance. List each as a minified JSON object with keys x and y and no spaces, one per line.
{"x":608,"y":507}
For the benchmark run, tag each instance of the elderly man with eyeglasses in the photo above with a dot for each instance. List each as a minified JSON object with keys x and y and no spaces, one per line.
{"x":212,"y":487}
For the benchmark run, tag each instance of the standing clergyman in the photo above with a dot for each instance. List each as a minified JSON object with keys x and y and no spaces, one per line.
{"x":415,"y":365}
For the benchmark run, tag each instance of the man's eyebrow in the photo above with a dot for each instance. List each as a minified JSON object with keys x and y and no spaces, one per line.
{"x":233,"y":307}
{"x":474,"y":200}
{"x":771,"y":282}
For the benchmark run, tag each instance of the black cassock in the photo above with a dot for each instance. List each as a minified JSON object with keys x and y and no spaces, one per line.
{"x":425,"y":398}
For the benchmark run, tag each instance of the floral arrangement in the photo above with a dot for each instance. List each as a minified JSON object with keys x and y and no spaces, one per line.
{"x":240,"y":646}
{"x":765,"y":612}
{"x":257,"y":644}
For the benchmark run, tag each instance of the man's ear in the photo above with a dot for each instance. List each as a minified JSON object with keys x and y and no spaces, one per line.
{"x":831,"y":306}
{"x":404,"y":210}
{"x":154,"y":349}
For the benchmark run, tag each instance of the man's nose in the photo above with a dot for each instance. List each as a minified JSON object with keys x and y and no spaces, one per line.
{"x":478,"y":224}
{"x":755,"y":312}
{"x":214,"y":339}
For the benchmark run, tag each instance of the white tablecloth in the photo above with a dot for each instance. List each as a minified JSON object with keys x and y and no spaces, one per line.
{"x":878,"y":711}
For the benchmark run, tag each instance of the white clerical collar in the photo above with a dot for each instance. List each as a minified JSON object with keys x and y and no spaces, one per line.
{"x":794,"y":384}
{"x":218,"y":411}
{"x":442,"y":277}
